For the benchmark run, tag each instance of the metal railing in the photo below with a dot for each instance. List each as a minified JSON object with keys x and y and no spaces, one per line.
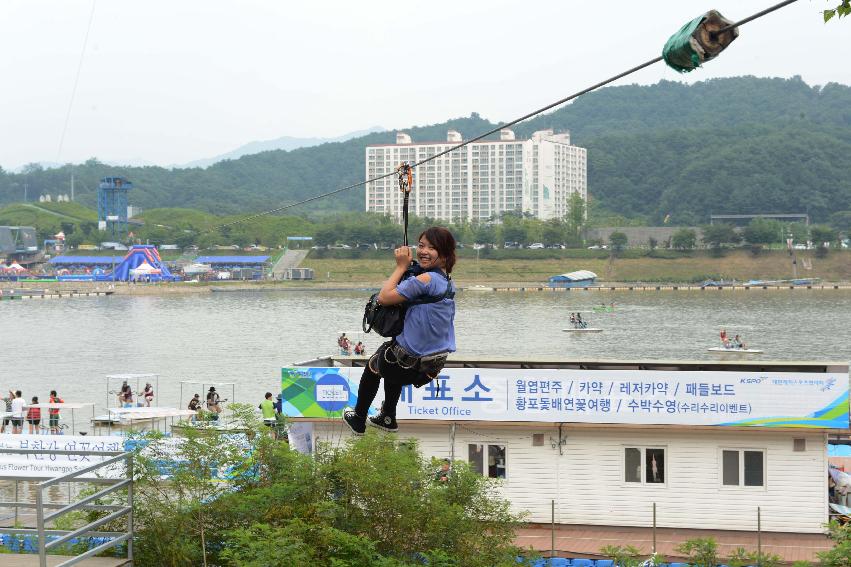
{"x":89,"y":530}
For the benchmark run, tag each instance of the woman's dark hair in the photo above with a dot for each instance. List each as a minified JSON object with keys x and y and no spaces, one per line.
{"x":443,"y":242}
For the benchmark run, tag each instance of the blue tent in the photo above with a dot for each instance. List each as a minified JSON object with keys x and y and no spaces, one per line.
{"x":138,"y":255}
{"x":580,"y":278}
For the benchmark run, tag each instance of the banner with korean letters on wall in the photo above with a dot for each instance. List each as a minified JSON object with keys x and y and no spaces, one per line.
{"x":49,"y":464}
{"x":773,"y":399}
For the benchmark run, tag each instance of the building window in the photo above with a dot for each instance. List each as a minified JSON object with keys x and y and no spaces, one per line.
{"x":645,"y":465}
{"x":487,"y":459}
{"x":741,"y":467}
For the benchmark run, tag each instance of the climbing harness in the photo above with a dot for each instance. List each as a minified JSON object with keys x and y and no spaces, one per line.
{"x":698,"y":41}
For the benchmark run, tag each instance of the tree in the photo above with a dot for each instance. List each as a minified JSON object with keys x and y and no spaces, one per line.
{"x":330,"y":508}
{"x":716,"y":235}
{"x":201,"y":467}
{"x":575,"y":218}
{"x":843,"y":9}
{"x":325,"y":236}
{"x":684,"y":239}
{"x":841,"y":220}
{"x":652,"y":243}
{"x":514,"y":231}
{"x":763,"y":231}
{"x":618,"y":240}
{"x":822,"y":235}
{"x":553,"y":232}
{"x":485,"y":234}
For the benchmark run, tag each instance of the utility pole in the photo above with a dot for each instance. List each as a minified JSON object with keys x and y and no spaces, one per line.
{"x":72,"y":186}
{"x":25,"y":191}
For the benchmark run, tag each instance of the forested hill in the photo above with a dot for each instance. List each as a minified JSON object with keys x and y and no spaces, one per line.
{"x":733,"y":145}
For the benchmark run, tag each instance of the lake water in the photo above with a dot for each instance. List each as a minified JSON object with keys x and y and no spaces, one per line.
{"x":245,"y":338}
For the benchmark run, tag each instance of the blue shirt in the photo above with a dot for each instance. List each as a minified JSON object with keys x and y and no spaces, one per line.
{"x":429,"y":327}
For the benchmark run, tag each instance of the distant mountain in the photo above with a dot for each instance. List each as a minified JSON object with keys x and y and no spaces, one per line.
{"x":286,"y":143}
{"x":734,"y":145}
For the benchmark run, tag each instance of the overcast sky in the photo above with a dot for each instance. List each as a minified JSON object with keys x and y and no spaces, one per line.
{"x":172,"y":81}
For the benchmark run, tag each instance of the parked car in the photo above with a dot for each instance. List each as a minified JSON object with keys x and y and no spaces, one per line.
{"x":536,"y":246}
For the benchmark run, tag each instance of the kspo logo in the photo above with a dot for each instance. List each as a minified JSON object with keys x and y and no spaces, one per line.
{"x":759,"y":380}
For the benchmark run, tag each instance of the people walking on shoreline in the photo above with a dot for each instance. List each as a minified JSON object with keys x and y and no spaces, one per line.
{"x":417,"y":355}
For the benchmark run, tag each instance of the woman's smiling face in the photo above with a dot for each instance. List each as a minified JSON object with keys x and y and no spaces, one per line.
{"x":427,"y":255}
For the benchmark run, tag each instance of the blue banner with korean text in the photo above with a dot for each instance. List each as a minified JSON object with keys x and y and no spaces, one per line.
{"x":780,"y":399}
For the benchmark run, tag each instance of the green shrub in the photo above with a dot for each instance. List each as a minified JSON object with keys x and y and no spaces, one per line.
{"x":370,"y":501}
{"x":702,"y":552}
{"x":840,"y":555}
{"x":623,"y":556}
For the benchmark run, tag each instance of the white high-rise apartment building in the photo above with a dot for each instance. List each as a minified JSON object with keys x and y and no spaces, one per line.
{"x":480,"y":180}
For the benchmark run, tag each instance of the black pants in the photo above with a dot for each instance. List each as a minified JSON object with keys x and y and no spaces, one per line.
{"x":395,"y":378}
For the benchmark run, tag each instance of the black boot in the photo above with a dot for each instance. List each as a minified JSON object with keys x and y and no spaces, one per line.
{"x":384,"y":421}
{"x":355,"y":422}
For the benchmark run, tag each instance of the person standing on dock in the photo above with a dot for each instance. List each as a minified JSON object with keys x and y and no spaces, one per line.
{"x":214,"y":403}
{"x":417,"y":355}
{"x":34,"y":417}
{"x":53,"y":413}
{"x":267,"y":408}
{"x":7,"y":419}
{"x":18,"y":413}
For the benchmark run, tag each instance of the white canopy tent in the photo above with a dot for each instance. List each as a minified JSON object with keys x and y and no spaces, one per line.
{"x":144,"y":269}
{"x":131,"y":379}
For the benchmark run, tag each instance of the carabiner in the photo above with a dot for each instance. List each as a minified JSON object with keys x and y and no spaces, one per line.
{"x":406,"y":176}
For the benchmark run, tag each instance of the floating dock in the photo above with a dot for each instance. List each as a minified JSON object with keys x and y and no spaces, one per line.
{"x":26,"y":294}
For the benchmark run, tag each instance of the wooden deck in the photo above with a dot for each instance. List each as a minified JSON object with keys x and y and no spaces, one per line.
{"x":586,"y":541}
{"x":31,"y":560}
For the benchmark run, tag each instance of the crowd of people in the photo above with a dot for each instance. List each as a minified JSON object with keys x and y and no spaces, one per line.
{"x":19,"y":412}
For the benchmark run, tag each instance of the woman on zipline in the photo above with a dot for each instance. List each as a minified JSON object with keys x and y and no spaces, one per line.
{"x":417,"y":355}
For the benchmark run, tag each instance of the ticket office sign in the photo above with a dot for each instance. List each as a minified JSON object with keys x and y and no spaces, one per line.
{"x":780,"y":399}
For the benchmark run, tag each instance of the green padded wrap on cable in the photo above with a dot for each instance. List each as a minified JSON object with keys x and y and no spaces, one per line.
{"x":678,"y":52}
{"x":698,"y":41}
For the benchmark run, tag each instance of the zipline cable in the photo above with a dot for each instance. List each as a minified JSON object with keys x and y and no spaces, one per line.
{"x":755,"y":16}
{"x":498,"y":128}
{"x":76,"y":82}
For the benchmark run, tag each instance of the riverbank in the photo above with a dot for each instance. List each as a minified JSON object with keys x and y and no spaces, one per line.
{"x":666,"y":267}
{"x":636,"y":271}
